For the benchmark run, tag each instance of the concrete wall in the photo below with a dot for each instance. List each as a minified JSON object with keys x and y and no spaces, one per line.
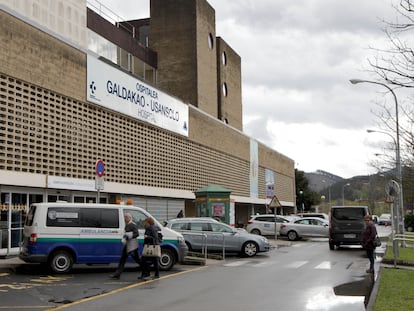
{"x":37,"y":57}
{"x":229,"y":77}
{"x":179,"y":32}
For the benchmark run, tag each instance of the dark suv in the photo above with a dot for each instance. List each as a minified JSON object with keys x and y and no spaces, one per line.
{"x":346,"y":224}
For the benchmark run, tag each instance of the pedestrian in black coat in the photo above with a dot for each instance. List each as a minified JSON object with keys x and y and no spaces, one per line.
{"x":151,"y":238}
{"x":367,"y":241}
{"x":130,"y":247}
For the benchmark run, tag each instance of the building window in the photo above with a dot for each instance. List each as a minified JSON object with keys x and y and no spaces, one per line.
{"x":224,"y":58}
{"x":210,"y":41}
{"x":225,"y":89}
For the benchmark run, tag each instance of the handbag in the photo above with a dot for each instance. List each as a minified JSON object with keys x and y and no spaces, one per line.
{"x":377,"y":241}
{"x":151,"y":250}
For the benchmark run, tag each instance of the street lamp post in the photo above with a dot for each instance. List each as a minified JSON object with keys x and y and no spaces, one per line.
{"x":398,"y":158}
{"x":301,"y":201}
{"x":329,"y":193}
{"x":343,"y":192}
{"x":394,"y":210}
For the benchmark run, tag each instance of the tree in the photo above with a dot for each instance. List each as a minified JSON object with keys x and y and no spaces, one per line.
{"x":395,"y":66}
{"x":304,"y":194}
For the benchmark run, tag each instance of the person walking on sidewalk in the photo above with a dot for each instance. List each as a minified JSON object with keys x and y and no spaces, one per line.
{"x":367,"y":241}
{"x":150,"y":238}
{"x":130,"y":247}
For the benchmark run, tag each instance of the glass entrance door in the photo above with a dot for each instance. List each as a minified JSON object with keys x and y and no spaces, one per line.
{"x":13,"y":208}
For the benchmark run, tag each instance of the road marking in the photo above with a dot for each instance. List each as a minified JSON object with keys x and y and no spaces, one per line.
{"x":296,"y":264}
{"x":264,"y":264}
{"x":236,"y":263}
{"x":23,"y":307}
{"x":50,"y":279}
{"x":123,"y":289}
{"x":326,"y":265}
{"x":13,"y":286}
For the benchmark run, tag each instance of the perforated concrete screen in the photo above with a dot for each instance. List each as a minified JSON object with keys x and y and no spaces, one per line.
{"x":46,"y":133}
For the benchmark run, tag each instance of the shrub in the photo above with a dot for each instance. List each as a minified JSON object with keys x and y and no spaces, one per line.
{"x":409,"y":221}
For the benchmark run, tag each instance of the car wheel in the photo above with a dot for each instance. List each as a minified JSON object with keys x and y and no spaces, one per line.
{"x":331,"y":246}
{"x":189,"y":246}
{"x":249,"y":249}
{"x":292,"y":235}
{"x":167,"y":259}
{"x":61,"y":261}
{"x":255,"y":231}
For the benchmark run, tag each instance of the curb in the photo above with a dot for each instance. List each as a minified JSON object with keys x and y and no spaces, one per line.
{"x":374,"y":291}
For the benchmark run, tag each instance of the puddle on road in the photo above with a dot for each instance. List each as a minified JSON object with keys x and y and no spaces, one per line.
{"x":349,"y":296}
{"x":324,"y":299}
{"x":357,"y":288}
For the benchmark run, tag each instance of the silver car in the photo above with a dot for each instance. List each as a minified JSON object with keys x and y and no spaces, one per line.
{"x":201,"y":232}
{"x":305,"y":227}
{"x":265,"y":224}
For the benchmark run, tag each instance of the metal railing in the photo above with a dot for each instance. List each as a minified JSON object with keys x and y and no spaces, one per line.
{"x":111,"y":16}
{"x":204,"y":241}
{"x":406,"y":237}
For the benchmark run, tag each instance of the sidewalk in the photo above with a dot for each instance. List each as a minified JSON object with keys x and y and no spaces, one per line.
{"x":10,"y":260}
{"x":279,"y":243}
{"x":9,"y":263}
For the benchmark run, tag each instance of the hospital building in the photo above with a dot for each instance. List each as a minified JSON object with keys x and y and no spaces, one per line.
{"x":95,"y":108}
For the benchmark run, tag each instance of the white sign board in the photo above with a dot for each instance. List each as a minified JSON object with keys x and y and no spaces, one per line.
{"x":99,"y":183}
{"x":70,"y":183}
{"x":114,"y":89}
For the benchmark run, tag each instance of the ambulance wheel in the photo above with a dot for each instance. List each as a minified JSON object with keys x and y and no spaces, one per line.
{"x":167,"y":259}
{"x":61,"y":261}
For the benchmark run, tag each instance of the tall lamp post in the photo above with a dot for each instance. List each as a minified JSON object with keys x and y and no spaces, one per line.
{"x":302,"y":206}
{"x":394,"y":211}
{"x":398,"y":158}
{"x":343,"y":192}
{"x":329,"y":192}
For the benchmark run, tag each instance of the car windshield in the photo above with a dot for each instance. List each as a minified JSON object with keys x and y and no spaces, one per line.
{"x":348,"y":213}
{"x":221,"y":228}
{"x":316,"y":222}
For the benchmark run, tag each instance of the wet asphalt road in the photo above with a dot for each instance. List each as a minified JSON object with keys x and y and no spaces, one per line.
{"x":303,"y":276}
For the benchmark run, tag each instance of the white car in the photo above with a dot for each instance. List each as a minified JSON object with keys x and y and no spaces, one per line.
{"x":385,"y":219}
{"x":319,"y":215}
{"x":305,"y":227}
{"x":265,"y":224}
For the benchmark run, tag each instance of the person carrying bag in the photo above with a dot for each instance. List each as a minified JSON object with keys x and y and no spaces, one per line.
{"x":130,"y":245}
{"x":152,"y":249}
{"x":367,"y":241}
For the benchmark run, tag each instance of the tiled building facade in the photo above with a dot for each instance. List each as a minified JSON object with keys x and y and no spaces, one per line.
{"x":52,"y":132}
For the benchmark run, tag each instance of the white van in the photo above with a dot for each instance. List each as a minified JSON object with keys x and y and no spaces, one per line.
{"x":63,"y":234}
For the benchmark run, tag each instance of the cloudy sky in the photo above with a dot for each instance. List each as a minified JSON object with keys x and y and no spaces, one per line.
{"x":297,"y":59}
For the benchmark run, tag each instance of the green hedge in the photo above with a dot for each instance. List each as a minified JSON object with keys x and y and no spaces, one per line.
{"x":409,"y":221}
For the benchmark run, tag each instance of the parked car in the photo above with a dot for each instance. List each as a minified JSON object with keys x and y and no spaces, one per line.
{"x":305,"y":227}
{"x":346,"y":225}
{"x":319,"y":215}
{"x":265,"y":224}
{"x":201,"y":232}
{"x":63,"y":234}
{"x":385,"y":219}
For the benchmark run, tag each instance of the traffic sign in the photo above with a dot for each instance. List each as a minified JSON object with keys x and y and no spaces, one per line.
{"x":100,"y":168}
{"x":99,"y":183}
{"x":392,"y":188}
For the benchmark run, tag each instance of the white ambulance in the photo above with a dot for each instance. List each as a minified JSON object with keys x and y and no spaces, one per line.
{"x":63,"y":234}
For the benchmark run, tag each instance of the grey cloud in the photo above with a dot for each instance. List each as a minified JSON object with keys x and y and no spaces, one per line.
{"x":320,"y":16}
